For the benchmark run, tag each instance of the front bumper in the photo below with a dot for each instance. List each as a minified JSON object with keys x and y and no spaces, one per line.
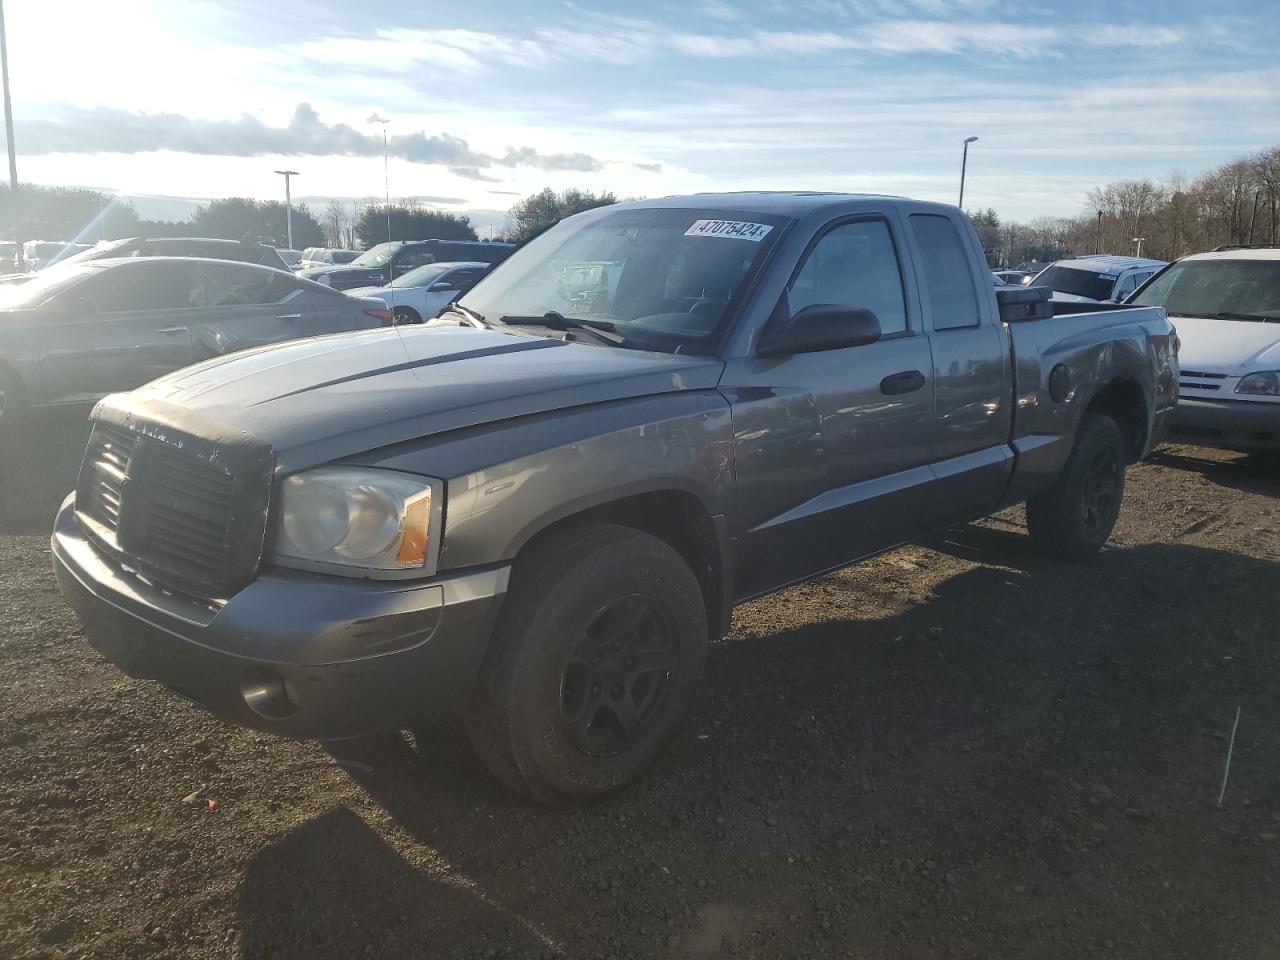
{"x":1230,"y":424}
{"x":301,"y":655}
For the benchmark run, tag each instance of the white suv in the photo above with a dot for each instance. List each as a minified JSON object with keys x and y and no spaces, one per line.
{"x":1226,"y":307}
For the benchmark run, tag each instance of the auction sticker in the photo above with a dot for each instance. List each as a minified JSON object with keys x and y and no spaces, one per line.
{"x":733,"y":229}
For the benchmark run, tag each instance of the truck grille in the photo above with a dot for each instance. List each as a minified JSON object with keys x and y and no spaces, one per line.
{"x":102,"y":476}
{"x":186,"y":523}
{"x":186,"y":512}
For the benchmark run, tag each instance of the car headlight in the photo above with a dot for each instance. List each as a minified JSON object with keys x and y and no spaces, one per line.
{"x":1264,"y":382}
{"x":358,"y":520}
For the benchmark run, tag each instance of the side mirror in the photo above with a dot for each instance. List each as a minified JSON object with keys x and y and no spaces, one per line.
{"x":440,"y":286}
{"x":821,"y":326}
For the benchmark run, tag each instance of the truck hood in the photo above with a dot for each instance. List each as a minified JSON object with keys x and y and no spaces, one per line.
{"x":1227,"y":346}
{"x":331,"y":397}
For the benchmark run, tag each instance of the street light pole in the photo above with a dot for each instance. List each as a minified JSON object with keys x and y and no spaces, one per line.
{"x":288,"y":203}
{"x":386,"y":170}
{"x":8,"y":105}
{"x":964,"y":162}
{"x":1138,"y":241}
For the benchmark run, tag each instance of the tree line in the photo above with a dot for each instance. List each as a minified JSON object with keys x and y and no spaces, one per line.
{"x":1235,"y":203}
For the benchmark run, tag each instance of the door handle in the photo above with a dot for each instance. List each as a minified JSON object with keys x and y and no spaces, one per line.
{"x":907,"y":381}
{"x":288,"y":316}
{"x":172,"y":331}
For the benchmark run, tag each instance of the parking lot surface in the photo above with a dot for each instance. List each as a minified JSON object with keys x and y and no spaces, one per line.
{"x":957,"y":750}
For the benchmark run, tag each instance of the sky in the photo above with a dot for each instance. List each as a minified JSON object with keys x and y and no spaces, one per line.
{"x":490,"y":100}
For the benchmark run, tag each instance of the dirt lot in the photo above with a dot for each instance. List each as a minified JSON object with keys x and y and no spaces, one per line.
{"x":958,"y":750}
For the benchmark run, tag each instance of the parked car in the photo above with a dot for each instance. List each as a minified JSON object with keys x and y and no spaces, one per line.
{"x":379,"y":265}
{"x":80,"y":332}
{"x":325,"y":257}
{"x":291,"y":258}
{"x":39,"y":254}
{"x":205,"y":248}
{"x":1093,"y":279}
{"x":1226,"y":307}
{"x":538,"y":520}
{"x":1014,"y":278}
{"x":420,"y":294}
{"x":8,"y":256}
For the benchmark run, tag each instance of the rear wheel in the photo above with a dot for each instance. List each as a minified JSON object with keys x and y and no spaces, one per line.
{"x":1074,"y":518}
{"x":406,"y":315}
{"x":594,"y":664}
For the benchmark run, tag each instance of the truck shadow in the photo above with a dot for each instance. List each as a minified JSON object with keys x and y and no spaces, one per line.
{"x":964,"y":771}
{"x":1252,"y":473}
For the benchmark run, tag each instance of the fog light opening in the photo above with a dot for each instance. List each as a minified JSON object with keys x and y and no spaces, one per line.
{"x":266,"y":694}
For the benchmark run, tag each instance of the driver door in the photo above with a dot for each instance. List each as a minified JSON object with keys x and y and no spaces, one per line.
{"x":832,"y":448}
{"x":116,"y":330}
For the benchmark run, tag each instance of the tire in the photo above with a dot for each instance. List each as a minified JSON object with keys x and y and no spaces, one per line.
{"x":13,"y":401}
{"x":594,"y":664}
{"x":1074,"y":518}
{"x":406,"y":315}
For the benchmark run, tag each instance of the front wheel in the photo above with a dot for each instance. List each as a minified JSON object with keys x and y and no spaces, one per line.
{"x":406,"y":315}
{"x":595,"y":662}
{"x":1073,"y":518}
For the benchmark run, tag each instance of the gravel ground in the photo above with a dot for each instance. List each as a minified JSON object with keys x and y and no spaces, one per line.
{"x":957,"y":750}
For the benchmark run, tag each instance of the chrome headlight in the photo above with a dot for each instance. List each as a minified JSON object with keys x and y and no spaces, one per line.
{"x":1264,"y":382}
{"x":353,"y":520}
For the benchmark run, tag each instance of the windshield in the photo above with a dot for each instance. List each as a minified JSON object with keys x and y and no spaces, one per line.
{"x":378,"y":256}
{"x":421,"y":277}
{"x":1073,"y":280}
{"x":666,"y":279}
{"x":44,"y":285}
{"x":1208,"y":288}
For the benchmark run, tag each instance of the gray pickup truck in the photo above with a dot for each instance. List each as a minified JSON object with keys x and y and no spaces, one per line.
{"x":536,"y":511}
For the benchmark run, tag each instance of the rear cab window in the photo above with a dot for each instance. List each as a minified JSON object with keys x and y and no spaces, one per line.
{"x":944,"y":262}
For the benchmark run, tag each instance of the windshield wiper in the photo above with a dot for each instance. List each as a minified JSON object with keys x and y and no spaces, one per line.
{"x":467,"y":313}
{"x":601,"y":330}
{"x":1255,"y":317}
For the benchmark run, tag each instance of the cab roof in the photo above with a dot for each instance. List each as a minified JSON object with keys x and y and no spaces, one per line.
{"x":785,"y":203}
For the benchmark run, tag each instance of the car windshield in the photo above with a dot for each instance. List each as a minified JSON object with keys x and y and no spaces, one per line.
{"x":1224,"y":289}
{"x":378,"y":256}
{"x":1076,"y":281}
{"x":665,"y":279}
{"x":423,"y":276}
{"x":44,"y":285}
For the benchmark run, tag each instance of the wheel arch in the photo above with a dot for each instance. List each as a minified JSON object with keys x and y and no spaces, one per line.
{"x":675,"y":515}
{"x":1124,"y":401}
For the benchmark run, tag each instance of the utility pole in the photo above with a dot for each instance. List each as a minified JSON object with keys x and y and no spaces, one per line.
{"x":288,"y":203}
{"x":8,"y":105}
{"x":8,"y":134}
{"x":1253,"y":218}
{"x":386,"y":170}
{"x":964,"y":162}
{"x":1097,"y":243}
